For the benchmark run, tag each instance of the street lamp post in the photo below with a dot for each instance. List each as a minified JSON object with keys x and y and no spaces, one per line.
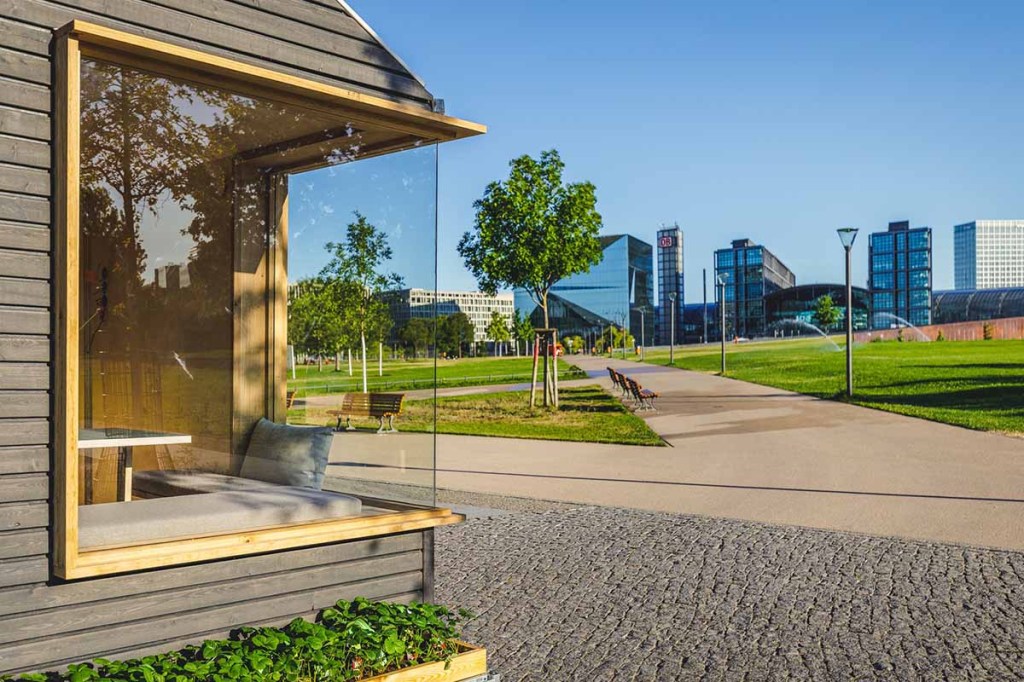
{"x":721,"y":314}
{"x":847,"y":235}
{"x":643,"y":332}
{"x":672,"y":330}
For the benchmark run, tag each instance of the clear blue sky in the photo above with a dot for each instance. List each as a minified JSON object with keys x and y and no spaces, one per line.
{"x":778,"y":121}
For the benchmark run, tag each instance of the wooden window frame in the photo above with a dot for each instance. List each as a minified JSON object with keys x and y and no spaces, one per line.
{"x":409,"y":123}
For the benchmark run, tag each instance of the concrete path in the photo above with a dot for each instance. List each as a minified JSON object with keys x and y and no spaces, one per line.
{"x":743,"y":451}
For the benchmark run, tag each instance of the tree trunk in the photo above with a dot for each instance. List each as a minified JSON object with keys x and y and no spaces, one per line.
{"x":362,"y":342}
{"x":349,"y":354}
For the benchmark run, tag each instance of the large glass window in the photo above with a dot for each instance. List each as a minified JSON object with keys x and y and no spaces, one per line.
{"x":220,"y":225}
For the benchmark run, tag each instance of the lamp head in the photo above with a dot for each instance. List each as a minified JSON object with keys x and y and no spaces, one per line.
{"x":847,"y":235}
{"x":672,"y":296}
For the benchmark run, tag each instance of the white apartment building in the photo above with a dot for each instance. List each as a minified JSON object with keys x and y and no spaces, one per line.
{"x":476,"y":305}
{"x":988,"y":254}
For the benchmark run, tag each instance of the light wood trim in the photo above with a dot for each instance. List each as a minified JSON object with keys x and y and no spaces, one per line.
{"x":445,"y":127}
{"x":123,"y":559}
{"x":472,"y":662}
{"x":66,"y":301}
{"x":277,"y":335}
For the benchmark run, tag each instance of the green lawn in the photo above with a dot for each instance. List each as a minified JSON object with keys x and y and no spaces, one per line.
{"x":586,"y":414}
{"x":402,"y":375}
{"x":976,"y":384}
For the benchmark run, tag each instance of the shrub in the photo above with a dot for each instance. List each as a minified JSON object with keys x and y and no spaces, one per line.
{"x":940,"y":336}
{"x":899,"y":335}
{"x":349,"y":641}
{"x":988,"y":332}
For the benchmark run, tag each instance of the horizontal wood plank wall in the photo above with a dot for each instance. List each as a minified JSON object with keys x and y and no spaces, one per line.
{"x":44,"y":622}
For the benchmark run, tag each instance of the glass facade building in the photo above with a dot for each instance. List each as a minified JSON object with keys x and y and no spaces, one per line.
{"x":978,"y":304}
{"x":788,"y":310}
{"x":988,"y":254}
{"x":900,"y":275}
{"x":670,"y":281}
{"x":750,"y":272}
{"x":612,"y":294}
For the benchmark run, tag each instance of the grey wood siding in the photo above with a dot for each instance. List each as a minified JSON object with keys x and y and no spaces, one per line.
{"x":45,"y":622}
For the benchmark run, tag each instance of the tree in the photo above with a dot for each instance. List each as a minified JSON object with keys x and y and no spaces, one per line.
{"x":533,"y":230}
{"x":522,"y":330}
{"x":415,"y":334}
{"x":316,"y":321}
{"x":354,"y":272}
{"x":826,"y":314}
{"x":454,"y":332}
{"x":497,"y":329}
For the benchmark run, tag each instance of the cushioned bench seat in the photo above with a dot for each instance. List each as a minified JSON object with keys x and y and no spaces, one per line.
{"x":168,"y":483}
{"x":186,"y":516}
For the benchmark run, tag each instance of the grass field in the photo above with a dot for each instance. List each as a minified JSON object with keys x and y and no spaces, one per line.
{"x":586,"y":414}
{"x":402,"y":375}
{"x":976,"y":384}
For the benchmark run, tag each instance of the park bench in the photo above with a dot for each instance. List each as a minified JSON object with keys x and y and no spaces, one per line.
{"x":644,"y":397}
{"x":380,"y":406}
{"x":619,"y":380}
{"x":289,"y":399}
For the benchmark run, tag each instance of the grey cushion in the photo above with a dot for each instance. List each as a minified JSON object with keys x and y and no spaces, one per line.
{"x":287,"y":455}
{"x":189,"y":516}
{"x":168,"y":482}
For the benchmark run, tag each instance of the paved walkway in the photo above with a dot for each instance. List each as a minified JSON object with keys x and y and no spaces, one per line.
{"x":746,"y":452}
{"x":596,"y":593}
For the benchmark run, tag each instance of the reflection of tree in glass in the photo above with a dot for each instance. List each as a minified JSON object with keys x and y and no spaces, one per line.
{"x":137,"y":142}
{"x":355,"y":274}
{"x":316,"y":319}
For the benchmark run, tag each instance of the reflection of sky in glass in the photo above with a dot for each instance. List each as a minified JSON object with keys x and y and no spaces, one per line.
{"x":396,"y":193}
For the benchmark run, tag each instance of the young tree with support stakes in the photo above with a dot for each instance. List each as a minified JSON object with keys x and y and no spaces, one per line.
{"x":522,"y":330}
{"x":497,"y":330}
{"x":354,"y":272}
{"x":531,"y":231}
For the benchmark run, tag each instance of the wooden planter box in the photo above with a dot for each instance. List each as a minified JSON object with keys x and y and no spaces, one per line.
{"x":470,"y":663}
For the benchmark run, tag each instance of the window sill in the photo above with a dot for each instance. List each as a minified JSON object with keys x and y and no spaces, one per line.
{"x":372,"y":523}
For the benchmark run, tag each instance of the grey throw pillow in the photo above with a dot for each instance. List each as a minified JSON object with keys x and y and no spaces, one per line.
{"x":288,"y":455}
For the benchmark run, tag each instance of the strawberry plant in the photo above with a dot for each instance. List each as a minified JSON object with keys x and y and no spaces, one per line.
{"x":352,"y":640}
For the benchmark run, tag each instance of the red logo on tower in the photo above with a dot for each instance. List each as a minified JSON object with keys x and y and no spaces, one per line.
{"x":666,"y":242}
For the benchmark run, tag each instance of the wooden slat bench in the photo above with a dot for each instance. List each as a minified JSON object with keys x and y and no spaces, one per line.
{"x":378,"y":405}
{"x":289,"y":399}
{"x":644,"y":397}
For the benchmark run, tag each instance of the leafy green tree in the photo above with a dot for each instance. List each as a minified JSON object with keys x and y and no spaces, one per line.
{"x":416,"y":334}
{"x":316,"y":321}
{"x":355,"y":274}
{"x":497,"y":329}
{"x":522,"y":330}
{"x":533,"y":230}
{"x":826,"y":314}
{"x":454,"y":332}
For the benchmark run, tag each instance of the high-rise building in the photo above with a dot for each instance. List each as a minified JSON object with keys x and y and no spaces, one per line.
{"x":406,"y":304}
{"x":750,"y":272}
{"x":988,"y":254}
{"x":670,"y":281}
{"x":900,"y":275}
{"x":613,"y":293}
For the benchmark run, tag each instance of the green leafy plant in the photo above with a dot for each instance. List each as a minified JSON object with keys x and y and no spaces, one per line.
{"x":940,"y":336}
{"x":352,"y":640}
{"x":988,"y":332}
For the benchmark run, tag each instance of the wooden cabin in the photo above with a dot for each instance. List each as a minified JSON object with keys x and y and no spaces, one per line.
{"x":151,"y":495}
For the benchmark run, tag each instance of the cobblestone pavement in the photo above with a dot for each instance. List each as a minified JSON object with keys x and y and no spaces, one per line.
{"x":595,"y":593}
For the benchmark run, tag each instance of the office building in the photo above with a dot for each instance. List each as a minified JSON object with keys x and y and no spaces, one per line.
{"x":750,"y":272}
{"x":900,"y":275}
{"x":670,"y":281}
{"x":988,"y":254}
{"x":409,"y":303}
{"x":618,"y":291}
